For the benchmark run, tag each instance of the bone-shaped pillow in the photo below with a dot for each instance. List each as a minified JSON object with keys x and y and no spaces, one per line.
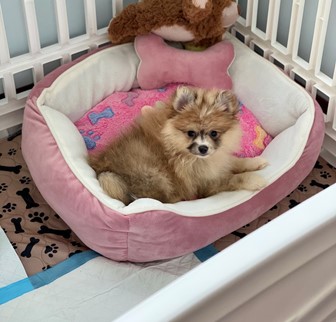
{"x":161,"y":64}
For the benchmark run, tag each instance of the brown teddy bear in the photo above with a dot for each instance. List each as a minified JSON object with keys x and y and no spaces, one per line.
{"x":196,"y":22}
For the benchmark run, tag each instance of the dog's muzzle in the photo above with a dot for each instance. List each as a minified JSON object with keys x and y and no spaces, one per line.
{"x":199,"y":150}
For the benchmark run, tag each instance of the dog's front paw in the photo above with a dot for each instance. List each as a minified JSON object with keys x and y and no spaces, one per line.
{"x":247,"y":181}
{"x":146,"y":109}
{"x":260,"y":163}
{"x":254,"y":182}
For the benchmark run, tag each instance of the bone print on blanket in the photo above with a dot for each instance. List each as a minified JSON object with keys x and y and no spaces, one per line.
{"x":108,"y":118}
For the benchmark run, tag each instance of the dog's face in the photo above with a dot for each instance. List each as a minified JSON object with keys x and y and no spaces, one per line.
{"x":201,"y":122}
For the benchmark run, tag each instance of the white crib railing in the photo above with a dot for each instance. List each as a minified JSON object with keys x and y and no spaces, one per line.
{"x":259,"y":28}
{"x":35,"y":64}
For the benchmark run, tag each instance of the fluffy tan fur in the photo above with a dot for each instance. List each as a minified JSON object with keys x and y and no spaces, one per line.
{"x":148,"y":15}
{"x":180,"y":150}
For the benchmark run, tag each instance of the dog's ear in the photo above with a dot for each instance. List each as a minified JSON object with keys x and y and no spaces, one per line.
{"x":227,"y":101}
{"x":184,"y":95}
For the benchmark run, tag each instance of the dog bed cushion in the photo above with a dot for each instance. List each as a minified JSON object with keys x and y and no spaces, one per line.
{"x":147,"y":229}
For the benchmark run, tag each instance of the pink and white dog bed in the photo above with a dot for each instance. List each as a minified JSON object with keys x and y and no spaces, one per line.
{"x":68,"y":108}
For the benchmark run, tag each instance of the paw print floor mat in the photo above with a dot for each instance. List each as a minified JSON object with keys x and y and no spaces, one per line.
{"x":40,"y":237}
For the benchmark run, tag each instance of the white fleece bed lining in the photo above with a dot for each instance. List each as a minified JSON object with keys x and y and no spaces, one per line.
{"x":282,"y":157}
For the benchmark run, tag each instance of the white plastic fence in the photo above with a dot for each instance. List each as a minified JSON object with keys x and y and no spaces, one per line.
{"x":39,"y":60}
{"x":299,"y":37}
{"x":296,"y":35}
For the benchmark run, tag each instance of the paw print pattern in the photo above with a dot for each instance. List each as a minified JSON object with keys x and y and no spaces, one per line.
{"x":51,"y":250}
{"x":12,"y":151}
{"x":3,"y":187}
{"x":292,"y":203}
{"x":77,"y":244}
{"x":57,"y":216}
{"x":325,"y":174}
{"x":9,"y":207}
{"x":274,"y":208}
{"x":44,"y":268}
{"x":302,"y":188}
{"x":90,"y":139}
{"x":38,"y":217}
{"x":25,"y":180}
{"x":14,"y":245}
{"x":318,"y":165}
{"x":75,"y":252}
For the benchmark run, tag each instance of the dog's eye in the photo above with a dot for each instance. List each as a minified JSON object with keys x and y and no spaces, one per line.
{"x":213,"y":134}
{"x":191,"y":134}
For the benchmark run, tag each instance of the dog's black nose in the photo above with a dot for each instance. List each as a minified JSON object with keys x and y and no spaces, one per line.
{"x":203,"y":149}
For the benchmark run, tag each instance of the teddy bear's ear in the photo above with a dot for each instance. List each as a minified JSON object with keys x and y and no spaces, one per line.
{"x":196,"y":10}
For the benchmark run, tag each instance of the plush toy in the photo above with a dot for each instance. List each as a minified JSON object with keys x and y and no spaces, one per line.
{"x":195,"y":22}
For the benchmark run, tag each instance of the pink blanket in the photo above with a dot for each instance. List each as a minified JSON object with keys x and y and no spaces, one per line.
{"x":107,"y":119}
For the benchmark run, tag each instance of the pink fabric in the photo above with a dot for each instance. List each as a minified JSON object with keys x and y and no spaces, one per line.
{"x":106,"y":120}
{"x":254,"y":139}
{"x":161,"y":64}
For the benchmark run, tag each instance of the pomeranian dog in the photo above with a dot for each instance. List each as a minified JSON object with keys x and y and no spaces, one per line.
{"x":180,"y":150}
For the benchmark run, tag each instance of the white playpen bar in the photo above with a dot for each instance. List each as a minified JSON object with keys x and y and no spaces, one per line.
{"x":307,"y":72}
{"x":12,"y":98}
